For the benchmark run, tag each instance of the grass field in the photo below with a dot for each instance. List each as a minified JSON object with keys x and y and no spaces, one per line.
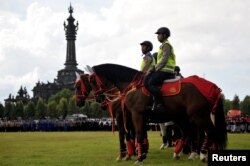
{"x":87,"y":149}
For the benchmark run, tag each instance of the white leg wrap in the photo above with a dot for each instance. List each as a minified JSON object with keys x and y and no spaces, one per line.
{"x":203,"y":157}
{"x":192,"y":156}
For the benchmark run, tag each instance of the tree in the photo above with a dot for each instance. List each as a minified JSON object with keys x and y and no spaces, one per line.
{"x":9,"y":107}
{"x":52,"y":109}
{"x":86,"y":109}
{"x":95,"y":110}
{"x":62,"y":107}
{"x":29,"y":110}
{"x":73,"y":109}
{"x":245,"y":105}
{"x":66,"y":93}
{"x":227,"y":105}
{"x":40,"y":109}
{"x":19,"y":109}
{"x":236,"y":103}
{"x":2,"y":110}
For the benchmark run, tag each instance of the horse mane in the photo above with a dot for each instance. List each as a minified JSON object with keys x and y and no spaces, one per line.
{"x":117,"y":73}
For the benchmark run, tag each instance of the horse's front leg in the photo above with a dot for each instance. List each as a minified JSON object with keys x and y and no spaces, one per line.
{"x":122,"y":132}
{"x":179,"y":143}
{"x":123,"y":150}
{"x":130,"y":137}
{"x":141,"y":135}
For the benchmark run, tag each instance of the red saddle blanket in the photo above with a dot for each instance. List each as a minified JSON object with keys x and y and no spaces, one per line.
{"x":206,"y":88}
{"x":171,"y":88}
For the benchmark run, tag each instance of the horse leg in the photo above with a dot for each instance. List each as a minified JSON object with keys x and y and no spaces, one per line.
{"x":194,"y":148}
{"x":130,"y":138}
{"x":122,"y":132}
{"x":165,"y":143}
{"x":204,"y":148}
{"x":130,"y":145}
{"x":195,"y":139}
{"x":179,"y":143}
{"x":123,"y":150}
{"x":141,"y":136}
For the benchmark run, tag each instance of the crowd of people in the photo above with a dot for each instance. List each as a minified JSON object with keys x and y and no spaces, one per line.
{"x":55,"y":125}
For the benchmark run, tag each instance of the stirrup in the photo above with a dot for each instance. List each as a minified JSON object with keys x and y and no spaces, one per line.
{"x":157,"y":107}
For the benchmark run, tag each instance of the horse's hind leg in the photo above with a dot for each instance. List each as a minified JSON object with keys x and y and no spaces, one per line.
{"x":204,"y":148}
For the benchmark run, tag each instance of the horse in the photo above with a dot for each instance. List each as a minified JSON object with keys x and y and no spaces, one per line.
{"x":112,"y":101}
{"x":184,"y":108}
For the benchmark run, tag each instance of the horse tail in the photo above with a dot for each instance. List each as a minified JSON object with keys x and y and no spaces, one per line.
{"x":220,"y":126}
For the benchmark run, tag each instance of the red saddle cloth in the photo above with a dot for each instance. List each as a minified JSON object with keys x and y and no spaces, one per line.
{"x":171,"y":88}
{"x":208,"y":89}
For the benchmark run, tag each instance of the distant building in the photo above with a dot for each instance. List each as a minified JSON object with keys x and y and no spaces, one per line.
{"x":22,"y":95}
{"x":65,"y":77}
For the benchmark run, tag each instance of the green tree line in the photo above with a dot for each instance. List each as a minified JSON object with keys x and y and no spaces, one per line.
{"x":58,"y":106}
{"x":63,"y":104}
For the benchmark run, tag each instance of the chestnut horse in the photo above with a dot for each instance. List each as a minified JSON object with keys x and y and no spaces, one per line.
{"x":110,"y":100}
{"x":187,"y":107}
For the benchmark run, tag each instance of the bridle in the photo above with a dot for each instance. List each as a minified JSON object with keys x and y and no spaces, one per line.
{"x":101,"y":88}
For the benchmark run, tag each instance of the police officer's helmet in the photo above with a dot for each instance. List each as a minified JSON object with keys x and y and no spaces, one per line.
{"x":148,"y":44}
{"x":177,"y":68}
{"x":163,"y":30}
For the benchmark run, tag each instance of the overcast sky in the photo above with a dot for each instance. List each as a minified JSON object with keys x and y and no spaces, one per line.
{"x":211,"y":38}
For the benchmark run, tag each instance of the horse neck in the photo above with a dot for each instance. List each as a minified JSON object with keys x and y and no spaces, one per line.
{"x":118,"y":79}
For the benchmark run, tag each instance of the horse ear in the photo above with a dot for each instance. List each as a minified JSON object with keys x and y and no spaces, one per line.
{"x":85,"y":69}
{"x":78,"y":77}
{"x":90,"y":69}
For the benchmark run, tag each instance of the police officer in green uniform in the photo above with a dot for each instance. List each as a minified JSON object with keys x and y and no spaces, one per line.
{"x":148,"y":61}
{"x":164,"y":68}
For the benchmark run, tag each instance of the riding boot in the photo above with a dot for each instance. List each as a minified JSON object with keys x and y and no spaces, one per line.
{"x":158,"y":104}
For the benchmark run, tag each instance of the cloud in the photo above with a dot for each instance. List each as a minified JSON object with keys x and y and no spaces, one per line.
{"x":210,"y":39}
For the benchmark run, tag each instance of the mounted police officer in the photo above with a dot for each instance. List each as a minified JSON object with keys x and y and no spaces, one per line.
{"x":164,"y":68}
{"x":148,"y":61}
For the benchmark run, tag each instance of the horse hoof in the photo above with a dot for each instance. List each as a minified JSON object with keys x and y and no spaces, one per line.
{"x":176,"y":156}
{"x":137,"y":162}
{"x":121,"y":156}
{"x":192,"y":156}
{"x":127,"y":157}
{"x":203,"y":157}
{"x":204,"y":160}
{"x":164,"y":146}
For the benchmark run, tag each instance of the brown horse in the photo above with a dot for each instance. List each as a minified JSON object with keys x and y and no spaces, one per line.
{"x":110,"y":100}
{"x":187,"y":107}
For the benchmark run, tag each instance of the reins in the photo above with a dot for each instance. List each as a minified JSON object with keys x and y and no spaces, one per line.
{"x":110,"y":96}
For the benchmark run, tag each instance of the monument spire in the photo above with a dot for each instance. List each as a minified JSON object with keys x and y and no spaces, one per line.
{"x":70,"y":32}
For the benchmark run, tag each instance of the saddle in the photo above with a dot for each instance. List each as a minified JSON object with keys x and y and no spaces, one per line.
{"x":171,"y":87}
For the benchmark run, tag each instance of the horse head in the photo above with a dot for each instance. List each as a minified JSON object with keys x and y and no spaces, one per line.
{"x":85,"y":84}
{"x":82,"y":88}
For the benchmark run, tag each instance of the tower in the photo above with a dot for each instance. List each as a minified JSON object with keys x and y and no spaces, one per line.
{"x":67,"y":76}
{"x":70,"y":32}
